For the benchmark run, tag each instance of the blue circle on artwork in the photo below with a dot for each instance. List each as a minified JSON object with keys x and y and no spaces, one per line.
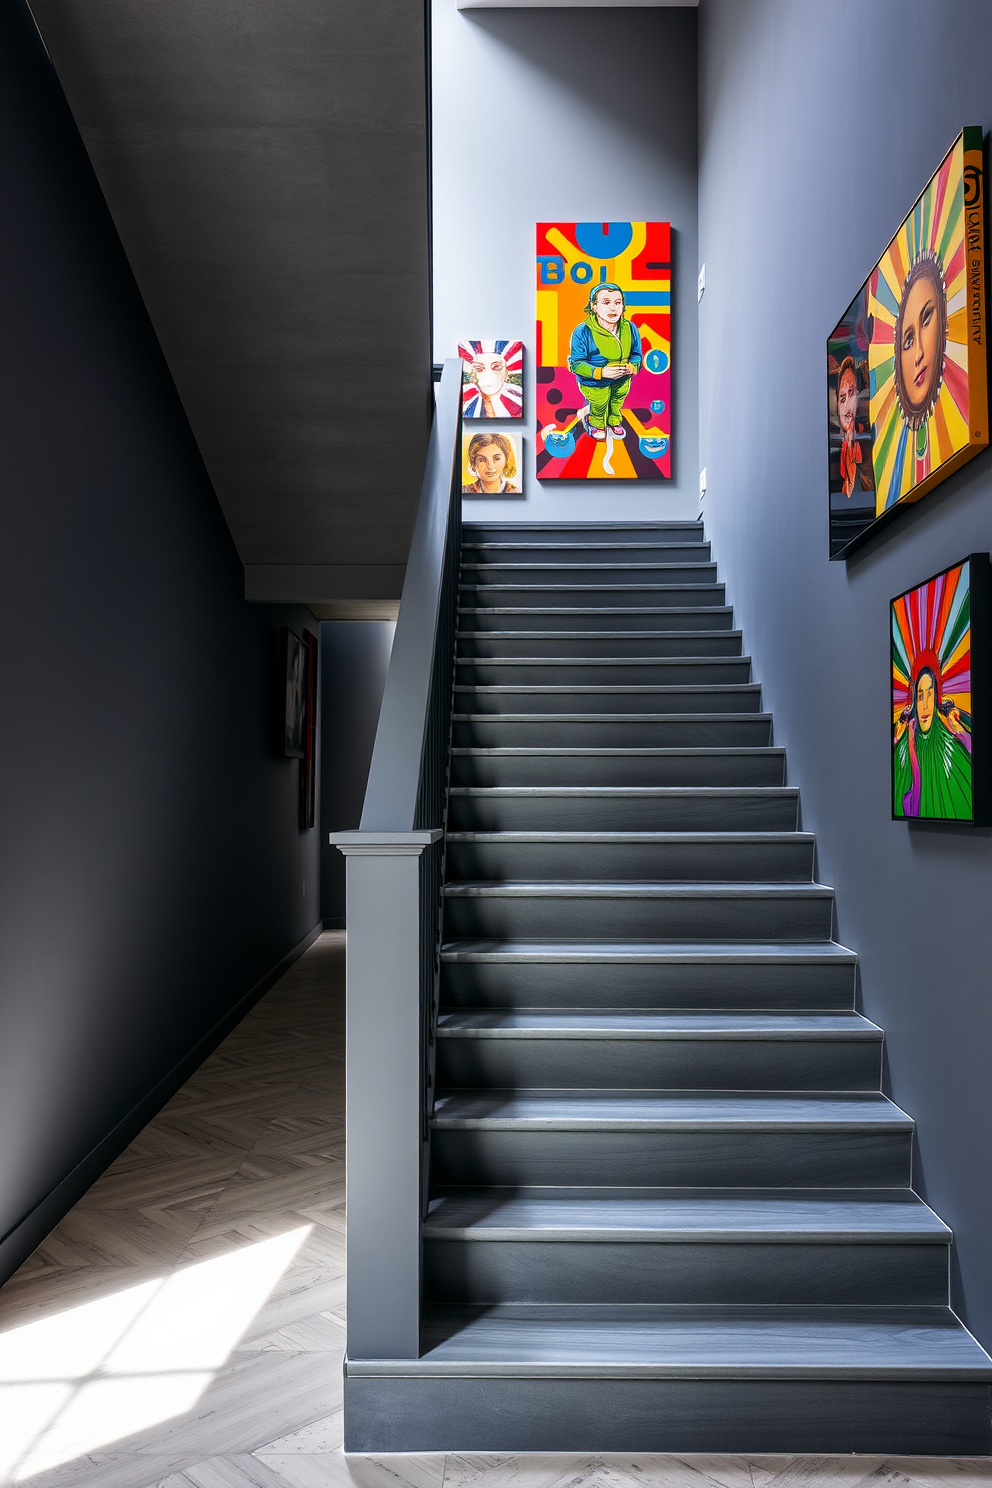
{"x":559,"y":443}
{"x":658,"y":406}
{"x":653,"y":445}
{"x":656,"y":360}
{"x":604,"y":239}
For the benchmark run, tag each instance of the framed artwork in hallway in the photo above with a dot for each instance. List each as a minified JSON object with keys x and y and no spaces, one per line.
{"x":604,"y":351}
{"x":914,"y":341}
{"x":940,"y":697}
{"x":492,"y":379}
{"x":293,"y":686}
{"x":491,"y":464}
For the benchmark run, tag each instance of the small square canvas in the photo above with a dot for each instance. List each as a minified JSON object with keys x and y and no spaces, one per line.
{"x":940,"y":696}
{"x":492,"y":379}
{"x":491,"y":464}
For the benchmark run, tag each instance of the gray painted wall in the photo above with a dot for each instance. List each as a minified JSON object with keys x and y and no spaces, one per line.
{"x":819,"y":125}
{"x":530,"y":126}
{"x":354,"y":661}
{"x":152,"y":872}
{"x":266,"y":166}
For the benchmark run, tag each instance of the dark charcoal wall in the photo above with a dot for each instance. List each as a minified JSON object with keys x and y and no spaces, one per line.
{"x":354,"y":661}
{"x":151,"y":867}
{"x":819,"y":124}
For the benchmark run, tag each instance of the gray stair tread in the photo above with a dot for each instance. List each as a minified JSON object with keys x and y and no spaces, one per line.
{"x":599,"y":635}
{"x":610,"y":661}
{"x":635,"y":718}
{"x":486,"y":689}
{"x":634,"y":889}
{"x":630,"y":792}
{"x":653,"y":1110}
{"x":536,"y":751}
{"x":633,"y":837}
{"x":551,"y":1024}
{"x":772,"y":1342}
{"x":595,"y":610}
{"x":552,"y":547}
{"x":686,"y":1215}
{"x":802,"y":953}
{"x":631,"y":566}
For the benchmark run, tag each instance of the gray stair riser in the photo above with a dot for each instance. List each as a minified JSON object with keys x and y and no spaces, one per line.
{"x":610,"y":917}
{"x":625,"y":617}
{"x":730,"y":986}
{"x":577,"y":534}
{"x":774,"y":811}
{"x":662,"y":595}
{"x":584,"y":643}
{"x":614,"y":573}
{"x":699,"y":732}
{"x":674,"y":672}
{"x":619,"y":769}
{"x":712,"y":862}
{"x":507,"y":698}
{"x":845,"y":1157}
{"x":658,"y":1064}
{"x":477,"y":1272}
{"x":734,"y":1416}
{"x":621,"y":551}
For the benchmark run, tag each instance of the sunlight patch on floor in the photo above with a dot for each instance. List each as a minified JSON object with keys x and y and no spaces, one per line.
{"x":96,"y":1374}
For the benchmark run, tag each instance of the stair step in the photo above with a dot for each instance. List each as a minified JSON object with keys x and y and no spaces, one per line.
{"x":590,"y":552}
{"x":614,"y":767}
{"x":611,"y":672}
{"x":576,"y":533}
{"x":661,"y":594}
{"x":618,"y":573}
{"x":663,"y":1216}
{"x":596,"y":643}
{"x":627,"y":1050}
{"x":600,"y":808}
{"x":566,"y":974}
{"x":563,"y":617}
{"x":749,"y":1246}
{"x":612,"y":700}
{"x":676,"y":1138}
{"x":710,"y":856}
{"x":603,"y":730}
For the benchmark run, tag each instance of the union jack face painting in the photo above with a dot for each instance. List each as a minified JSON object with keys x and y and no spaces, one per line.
{"x":492,"y":379}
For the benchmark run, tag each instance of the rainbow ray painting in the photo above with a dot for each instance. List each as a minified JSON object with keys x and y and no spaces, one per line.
{"x":926,"y":300}
{"x":492,"y":379}
{"x":940,"y":696}
{"x":604,"y":351}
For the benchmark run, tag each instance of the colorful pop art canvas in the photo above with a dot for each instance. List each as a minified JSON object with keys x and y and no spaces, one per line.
{"x":926,"y":301}
{"x":491,"y":464}
{"x":492,"y":379}
{"x":604,"y":351}
{"x":940,"y":696}
{"x":849,"y":431}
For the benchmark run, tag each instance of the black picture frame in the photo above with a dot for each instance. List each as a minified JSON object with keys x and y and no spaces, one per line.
{"x":980,"y":686}
{"x":293,"y":687}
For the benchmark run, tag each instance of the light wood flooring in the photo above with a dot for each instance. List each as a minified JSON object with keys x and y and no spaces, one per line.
{"x":184,"y":1326}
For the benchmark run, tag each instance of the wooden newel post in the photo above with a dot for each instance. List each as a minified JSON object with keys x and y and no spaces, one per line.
{"x":385,"y":1090}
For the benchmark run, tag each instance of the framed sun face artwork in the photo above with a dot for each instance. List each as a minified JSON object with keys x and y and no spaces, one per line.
{"x":915,"y":338}
{"x":604,"y":351}
{"x":491,"y":464}
{"x":492,"y":379}
{"x":940,"y":697}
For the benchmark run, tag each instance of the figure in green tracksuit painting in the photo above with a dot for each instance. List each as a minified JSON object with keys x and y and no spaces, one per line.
{"x":604,"y":354}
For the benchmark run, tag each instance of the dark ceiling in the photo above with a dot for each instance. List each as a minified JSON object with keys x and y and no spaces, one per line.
{"x":266,"y":164}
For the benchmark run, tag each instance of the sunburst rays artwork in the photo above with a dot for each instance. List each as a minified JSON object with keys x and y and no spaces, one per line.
{"x":927,"y":363}
{"x":492,"y":379}
{"x":940,"y":688}
{"x":604,"y":351}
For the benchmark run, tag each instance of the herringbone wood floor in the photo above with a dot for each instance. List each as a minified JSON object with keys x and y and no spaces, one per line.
{"x":251,"y":1150}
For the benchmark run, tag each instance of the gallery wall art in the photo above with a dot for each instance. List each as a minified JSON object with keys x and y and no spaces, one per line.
{"x":491,"y":464}
{"x":604,"y":351}
{"x":914,"y":340}
{"x":940,"y":696}
{"x":492,"y":379}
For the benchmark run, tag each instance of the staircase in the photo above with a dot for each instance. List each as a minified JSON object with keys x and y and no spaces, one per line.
{"x":670,"y":1207}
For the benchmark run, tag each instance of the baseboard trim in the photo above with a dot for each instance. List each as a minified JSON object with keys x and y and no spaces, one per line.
{"x":25,"y":1236}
